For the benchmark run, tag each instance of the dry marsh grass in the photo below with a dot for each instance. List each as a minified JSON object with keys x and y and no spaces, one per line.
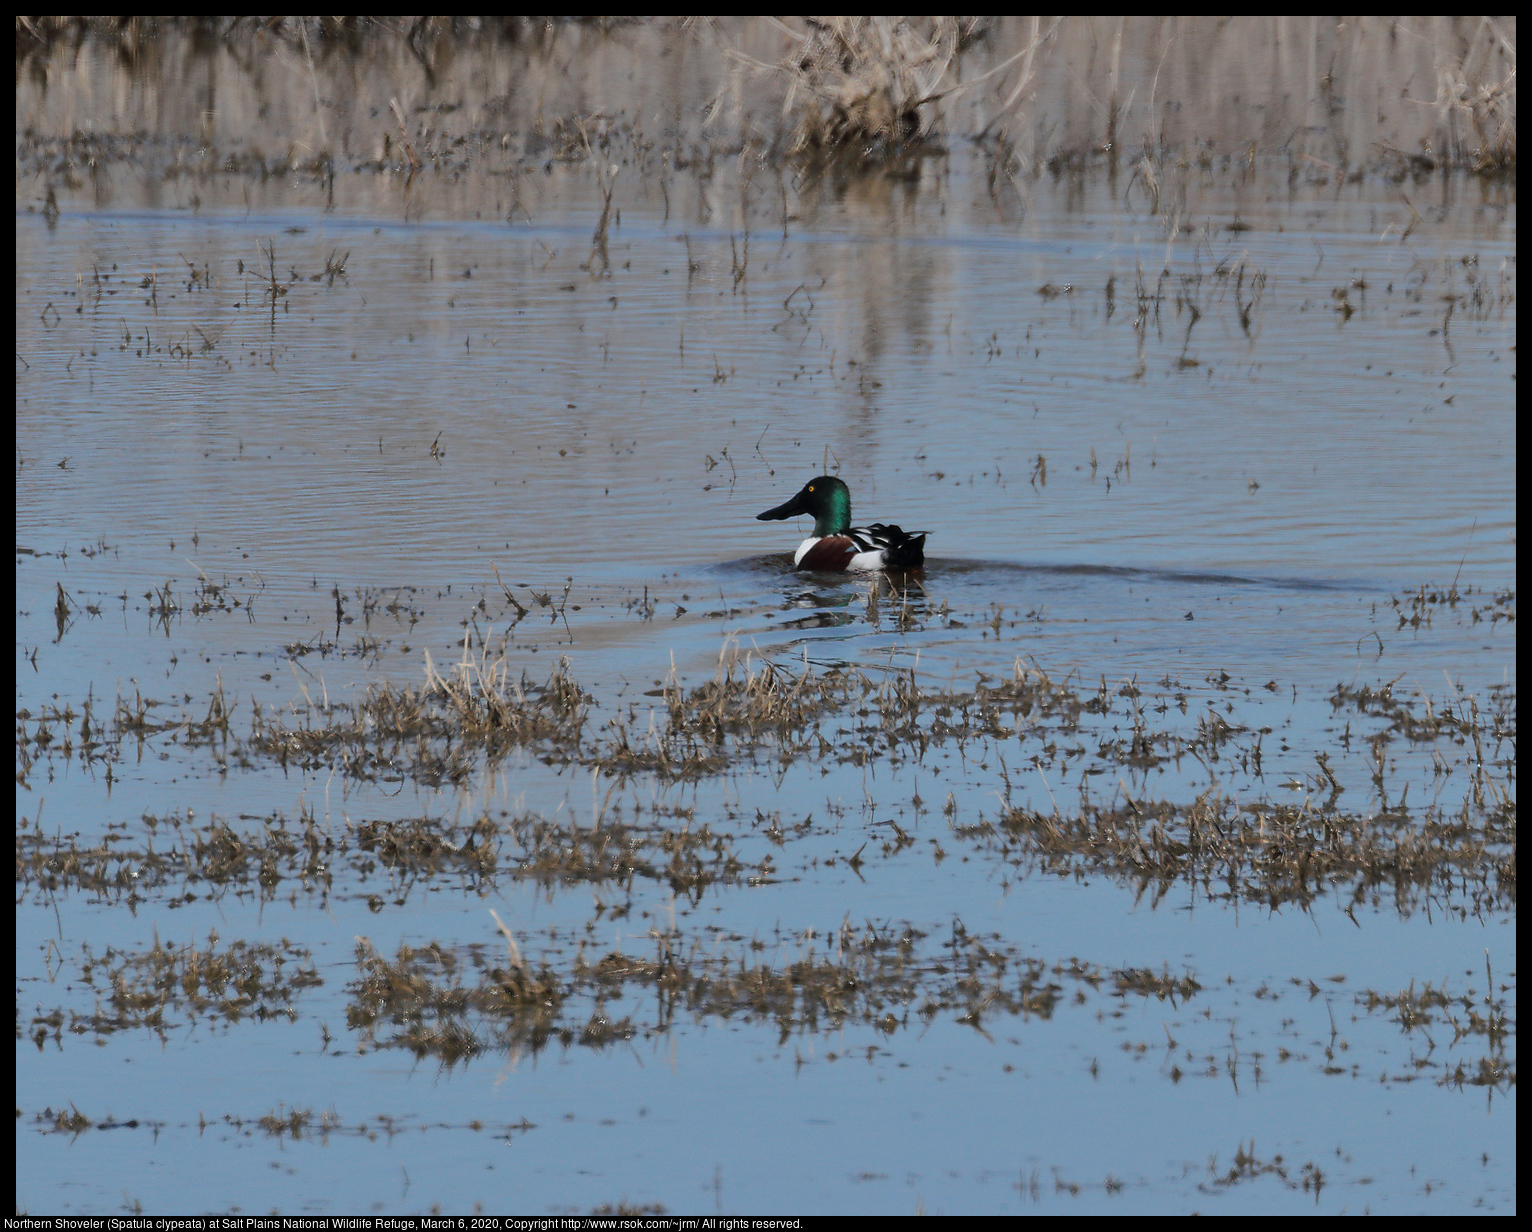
{"x":513,"y":997}
{"x":1476,"y":102}
{"x":867,"y":82}
{"x":451,"y":1006}
{"x":1452,"y":848}
{"x":168,"y":988}
{"x":1330,"y":98}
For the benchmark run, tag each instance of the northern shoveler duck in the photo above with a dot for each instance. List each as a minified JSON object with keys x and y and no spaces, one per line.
{"x":836,"y":545}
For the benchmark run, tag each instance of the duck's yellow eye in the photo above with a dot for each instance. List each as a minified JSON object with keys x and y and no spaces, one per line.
{"x":811,"y":487}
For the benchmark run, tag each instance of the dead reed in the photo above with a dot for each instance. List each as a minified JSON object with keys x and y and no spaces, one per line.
{"x":868,"y":82}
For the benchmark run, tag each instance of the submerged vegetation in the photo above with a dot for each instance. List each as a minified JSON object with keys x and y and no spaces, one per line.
{"x":881,"y":976}
{"x":1453,"y":849}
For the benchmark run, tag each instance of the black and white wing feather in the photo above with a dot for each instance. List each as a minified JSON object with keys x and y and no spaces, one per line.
{"x":898,"y":549}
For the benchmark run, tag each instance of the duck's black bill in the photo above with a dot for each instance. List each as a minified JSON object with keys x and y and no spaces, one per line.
{"x":787,"y":509}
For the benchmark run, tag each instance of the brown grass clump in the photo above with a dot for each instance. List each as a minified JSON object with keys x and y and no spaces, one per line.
{"x":1279,"y":854}
{"x":869,"y":81}
{"x":167,"y":988}
{"x":420,"y":994}
{"x":1477,"y":103}
{"x":486,"y":699}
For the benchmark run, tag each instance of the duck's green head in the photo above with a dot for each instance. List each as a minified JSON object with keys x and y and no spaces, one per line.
{"x":826,"y":498}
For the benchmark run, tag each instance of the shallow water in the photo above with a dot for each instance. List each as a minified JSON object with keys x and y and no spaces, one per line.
{"x":1216,"y":481}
